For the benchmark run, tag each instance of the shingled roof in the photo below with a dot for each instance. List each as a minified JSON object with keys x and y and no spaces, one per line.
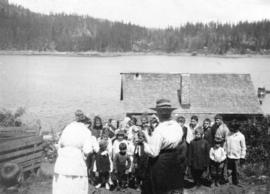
{"x":190,"y":93}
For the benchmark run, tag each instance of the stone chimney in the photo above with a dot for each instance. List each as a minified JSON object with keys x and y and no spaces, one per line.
{"x":184,"y":93}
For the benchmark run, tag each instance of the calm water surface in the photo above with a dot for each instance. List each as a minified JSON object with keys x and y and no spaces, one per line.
{"x":53,"y":87}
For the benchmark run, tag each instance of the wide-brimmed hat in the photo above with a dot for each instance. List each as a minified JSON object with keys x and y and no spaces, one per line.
{"x":163,"y":104}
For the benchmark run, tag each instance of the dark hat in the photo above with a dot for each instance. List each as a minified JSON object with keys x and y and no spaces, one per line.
{"x":163,"y":104}
{"x":218,"y":140}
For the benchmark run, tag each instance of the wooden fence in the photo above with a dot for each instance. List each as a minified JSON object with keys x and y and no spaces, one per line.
{"x":25,"y":149}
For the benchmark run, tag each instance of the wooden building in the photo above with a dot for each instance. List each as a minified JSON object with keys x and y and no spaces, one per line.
{"x":204,"y":95}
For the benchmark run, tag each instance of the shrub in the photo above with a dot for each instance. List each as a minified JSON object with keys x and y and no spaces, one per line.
{"x":9,"y":119}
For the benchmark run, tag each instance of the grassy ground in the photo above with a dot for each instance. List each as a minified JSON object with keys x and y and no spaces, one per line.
{"x":42,"y":184}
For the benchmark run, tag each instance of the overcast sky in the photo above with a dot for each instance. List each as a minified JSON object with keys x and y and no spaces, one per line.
{"x":157,"y":13}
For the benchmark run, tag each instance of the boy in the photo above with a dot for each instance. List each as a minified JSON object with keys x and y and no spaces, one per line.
{"x":198,"y":156}
{"x":207,"y":132}
{"x":103,"y":165}
{"x":235,"y":147}
{"x":122,"y":164}
{"x":217,"y":156}
{"x":120,"y":138}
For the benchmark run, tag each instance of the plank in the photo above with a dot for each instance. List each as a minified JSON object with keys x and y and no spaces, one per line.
{"x":6,"y":156}
{"x":37,"y":165}
{"x":26,"y":158}
{"x":31,"y":162}
{"x":18,"y":129}
{"x":19,"y":143}
{"x":12,"y":129}
{"x":13,"y":137}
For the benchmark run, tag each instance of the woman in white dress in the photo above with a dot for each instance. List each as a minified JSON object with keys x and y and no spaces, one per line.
{"x":70,"y":171}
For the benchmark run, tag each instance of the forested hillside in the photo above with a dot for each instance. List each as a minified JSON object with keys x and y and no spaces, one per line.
{"x":21,"y":29}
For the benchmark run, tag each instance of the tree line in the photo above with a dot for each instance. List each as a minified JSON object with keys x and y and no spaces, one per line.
{"x":21,"y":29}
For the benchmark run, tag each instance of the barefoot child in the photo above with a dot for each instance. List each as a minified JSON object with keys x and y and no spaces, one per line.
{"x":103,"y":165}
{"x":122,"y":164}
{"x":217,"y":161}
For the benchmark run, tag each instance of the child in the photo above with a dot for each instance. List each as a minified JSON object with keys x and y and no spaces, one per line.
{"x":207,"y":131}
{"x":122,"y":164}
{"x":217,"y":161}
{"x":154,"y":122}
{"x":120,"y":138}
{"x":198,"y":156}
{"x":105,"y":136}
{"x":235,"y":147}
{"x":140,"y":161}
{"x":193,"y":126}
{"x":181,"y":120}
{"x":103,"y":165}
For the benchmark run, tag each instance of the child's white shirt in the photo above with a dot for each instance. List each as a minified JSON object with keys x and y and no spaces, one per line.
{"x":217,"y":155}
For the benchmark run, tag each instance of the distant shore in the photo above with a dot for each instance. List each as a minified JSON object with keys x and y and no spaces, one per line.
{"x":119,"y":54}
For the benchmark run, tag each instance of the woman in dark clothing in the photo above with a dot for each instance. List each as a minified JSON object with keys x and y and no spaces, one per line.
{"x":164,"y":170}
{"x":198,"y":156}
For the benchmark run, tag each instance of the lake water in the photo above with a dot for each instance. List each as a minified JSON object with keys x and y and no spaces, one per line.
{"x":51,"y":88}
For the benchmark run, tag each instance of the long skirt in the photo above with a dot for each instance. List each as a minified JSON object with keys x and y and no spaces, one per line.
{"x":165,"y":174}
{"x":63,"y":184}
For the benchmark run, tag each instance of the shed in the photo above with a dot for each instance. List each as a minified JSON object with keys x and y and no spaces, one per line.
{"x":200,"y":94}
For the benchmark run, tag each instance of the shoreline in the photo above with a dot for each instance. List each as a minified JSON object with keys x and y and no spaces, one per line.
{"x":121,"y":54}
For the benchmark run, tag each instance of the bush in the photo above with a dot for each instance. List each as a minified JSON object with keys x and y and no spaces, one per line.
{"x":9,"y":119}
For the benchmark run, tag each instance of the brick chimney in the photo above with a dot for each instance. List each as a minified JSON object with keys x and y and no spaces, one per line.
{"x":184,"y":93}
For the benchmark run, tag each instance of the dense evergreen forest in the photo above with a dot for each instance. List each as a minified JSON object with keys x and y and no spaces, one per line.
{"x":21,"y":29}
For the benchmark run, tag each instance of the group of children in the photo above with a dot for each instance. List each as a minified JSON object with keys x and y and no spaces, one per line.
{"x":212,"y":149}
{"x":119,"y":161}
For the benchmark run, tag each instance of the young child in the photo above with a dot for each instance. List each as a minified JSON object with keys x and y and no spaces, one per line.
{"x":122,"y":164}
{"x":181,"y":120}
{"x":140,"y":162}
{"x":103,"y":165}
{"x":217,"y":156}
{"x":235,"y":147}
{"x":198,"y":156}
{"x":120,"y":138}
